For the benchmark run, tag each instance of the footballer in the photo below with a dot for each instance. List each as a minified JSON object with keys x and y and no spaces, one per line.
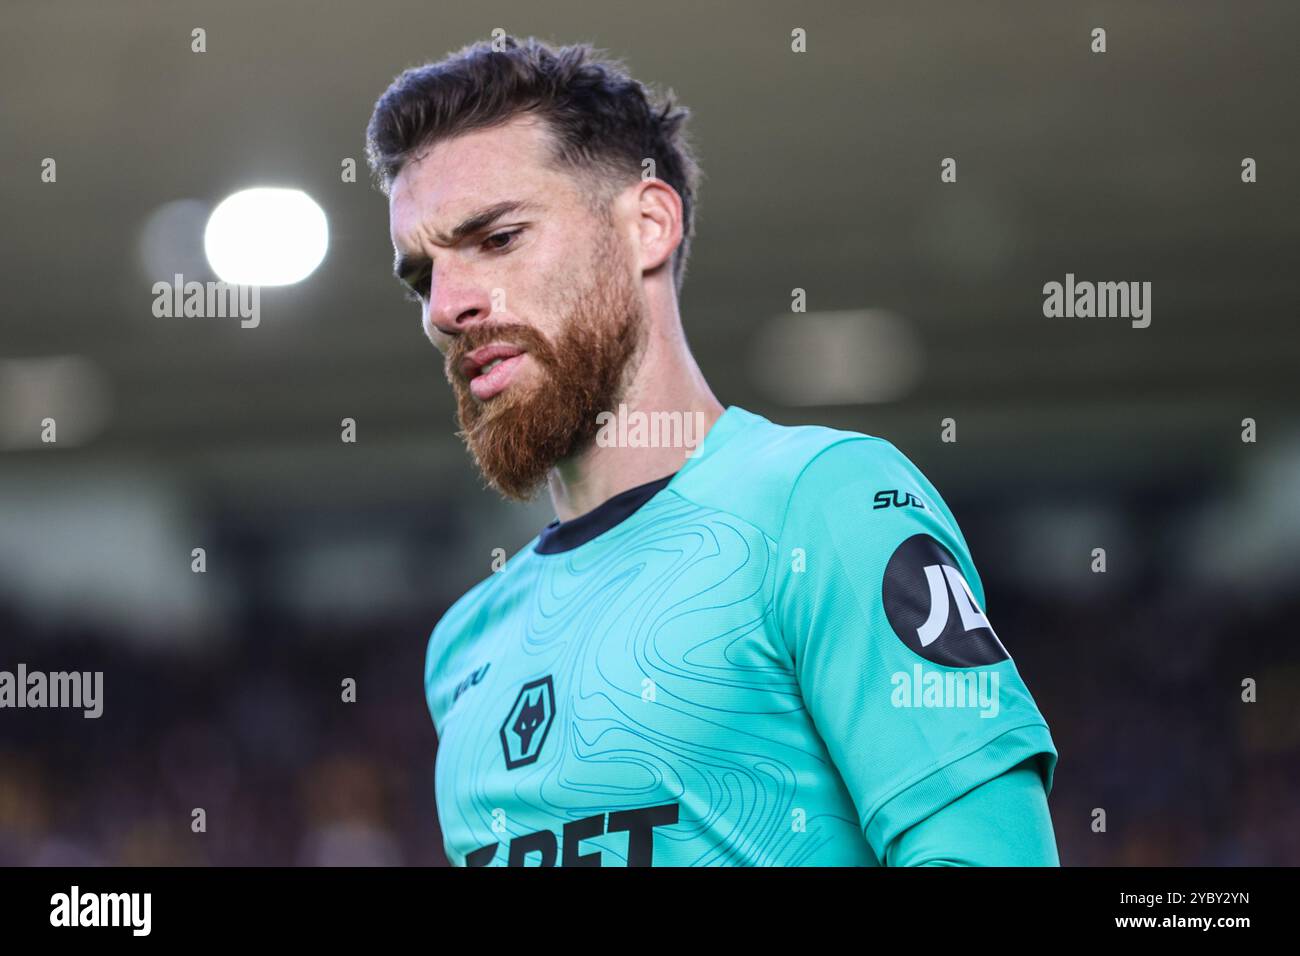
{"x":765,"y":647}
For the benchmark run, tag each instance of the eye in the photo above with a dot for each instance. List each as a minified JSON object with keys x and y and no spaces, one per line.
{"x":492,"y":243}
{"x":417,"y":290}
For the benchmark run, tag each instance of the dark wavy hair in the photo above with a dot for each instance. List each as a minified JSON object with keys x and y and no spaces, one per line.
{"x":603,"y":123}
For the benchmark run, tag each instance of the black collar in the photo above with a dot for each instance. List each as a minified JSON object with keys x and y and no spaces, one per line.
{"x":561,"y":536}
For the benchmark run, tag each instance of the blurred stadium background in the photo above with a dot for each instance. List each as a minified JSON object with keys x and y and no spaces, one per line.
{"x":329,"y":560}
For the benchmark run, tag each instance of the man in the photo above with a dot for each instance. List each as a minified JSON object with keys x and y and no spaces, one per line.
{"x":765,"y":648}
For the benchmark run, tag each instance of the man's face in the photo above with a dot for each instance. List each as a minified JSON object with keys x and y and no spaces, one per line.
{"x":530,"y":296}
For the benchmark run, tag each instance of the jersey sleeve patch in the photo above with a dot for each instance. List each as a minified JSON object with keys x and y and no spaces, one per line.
{"x":932,"y":609}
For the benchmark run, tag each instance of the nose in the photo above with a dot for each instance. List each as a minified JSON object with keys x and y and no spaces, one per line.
{"x":455,"y":305}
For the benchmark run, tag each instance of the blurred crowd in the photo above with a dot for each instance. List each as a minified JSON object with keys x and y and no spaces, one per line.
{"x":1161,"y":761}
{"x":255,"y":732}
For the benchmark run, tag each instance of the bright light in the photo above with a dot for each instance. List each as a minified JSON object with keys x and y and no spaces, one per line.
{"x":266,"y":237}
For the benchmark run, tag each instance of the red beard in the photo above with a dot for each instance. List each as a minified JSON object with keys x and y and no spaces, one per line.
{"x":519,"y":435}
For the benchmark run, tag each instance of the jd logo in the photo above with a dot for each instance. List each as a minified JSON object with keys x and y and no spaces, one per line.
{"x":524,"y":731}
{"x":932,"y":610}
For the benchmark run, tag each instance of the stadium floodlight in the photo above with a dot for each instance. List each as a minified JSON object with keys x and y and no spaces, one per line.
{"x":266,"y":237}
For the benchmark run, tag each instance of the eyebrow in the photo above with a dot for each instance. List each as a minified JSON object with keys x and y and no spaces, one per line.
{"x":406,"y":265}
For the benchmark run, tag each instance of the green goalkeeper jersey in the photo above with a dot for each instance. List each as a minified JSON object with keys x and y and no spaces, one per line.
{"x":778,"y":655}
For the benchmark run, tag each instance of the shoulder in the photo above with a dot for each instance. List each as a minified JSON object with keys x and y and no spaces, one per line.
{"x":865,"y":471}
{"x":865,"y":490}
{"x":767,"y":470}
{"x":864,"y":504}
{"x":461,"y":613}
{"x":468,"y":617}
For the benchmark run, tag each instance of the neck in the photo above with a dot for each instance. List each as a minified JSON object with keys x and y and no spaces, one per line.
{"x":667,"y":380}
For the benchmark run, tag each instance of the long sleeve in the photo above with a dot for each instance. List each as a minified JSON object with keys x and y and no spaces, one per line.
{"x":1004,"y":822}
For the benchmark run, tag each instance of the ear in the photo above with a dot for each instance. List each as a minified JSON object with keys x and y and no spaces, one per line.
{"x":658,"y":217}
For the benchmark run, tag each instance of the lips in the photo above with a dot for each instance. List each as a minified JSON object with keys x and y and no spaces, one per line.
{"x":475,"y":362}
{"x":490,"y":368}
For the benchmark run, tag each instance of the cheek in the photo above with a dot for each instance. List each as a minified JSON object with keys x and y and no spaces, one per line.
{"x":547,"y":321}
{"x":556,"y":304}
